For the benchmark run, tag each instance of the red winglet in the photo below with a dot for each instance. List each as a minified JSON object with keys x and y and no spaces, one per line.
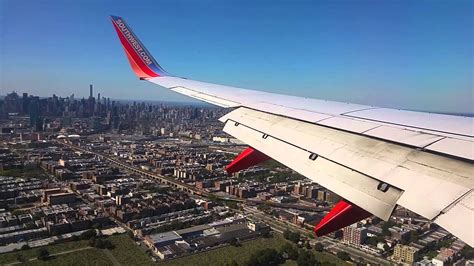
{"x":141,"y":61}
{"x":249,"y":157}
{"x":342,"y":215}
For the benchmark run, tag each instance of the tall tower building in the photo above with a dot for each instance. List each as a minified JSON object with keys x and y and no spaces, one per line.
{"x":91,"y":91}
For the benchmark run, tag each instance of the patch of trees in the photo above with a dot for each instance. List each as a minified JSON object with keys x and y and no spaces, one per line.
{"x":287,"y":251}
{"x":266,"y":234}
{"x":21,"y":258}
{"x":343,"y":255}
{"x":264,"y":208}
{"x":319,"y":247}
{"x":232,"y":263}
{"x":101,"y":243}
{"x":43,"y":254}
{"x":88,"y":234}
{"x":234,"y":242}
{"x":231,"y":204}
{"x":292,"y":236}
{"x":306,"y":258}
{"x":467,"y":252}
{"x":94,"y":240}
{"x":265,"y":257}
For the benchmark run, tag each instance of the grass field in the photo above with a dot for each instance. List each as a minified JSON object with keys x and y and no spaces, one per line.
{"x":126,"y":252}
{"x":241,"y":254}
{"x":325,"y":258}
{"x":84,"y":257}
{"x":32,"y":253}
{"x":224,"y":255}
{"x":29,"y":171}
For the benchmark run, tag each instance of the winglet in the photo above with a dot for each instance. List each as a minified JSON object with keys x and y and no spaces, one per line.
{"x":141,"y":61}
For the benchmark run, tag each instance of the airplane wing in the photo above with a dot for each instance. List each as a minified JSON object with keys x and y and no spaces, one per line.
{"x":375,"y":158}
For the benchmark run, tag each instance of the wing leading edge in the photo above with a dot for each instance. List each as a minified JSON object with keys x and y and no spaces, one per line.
{"x":425,"y":159}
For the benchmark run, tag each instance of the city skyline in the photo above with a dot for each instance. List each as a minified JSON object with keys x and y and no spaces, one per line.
{"x":95,"y":95}
{"x":385,"y":55}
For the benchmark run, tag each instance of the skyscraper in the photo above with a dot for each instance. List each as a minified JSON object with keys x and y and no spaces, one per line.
{"x":91,"y":91}
{"x":33,"y":111}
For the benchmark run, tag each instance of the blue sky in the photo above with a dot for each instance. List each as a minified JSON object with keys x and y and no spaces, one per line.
{"x":402,"y":54}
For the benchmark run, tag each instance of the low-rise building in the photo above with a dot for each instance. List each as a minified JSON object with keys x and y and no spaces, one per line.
{"x":405,"y":254}
{"x":61,"y":198}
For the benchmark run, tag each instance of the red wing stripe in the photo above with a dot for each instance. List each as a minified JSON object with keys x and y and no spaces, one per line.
{"x":131,"y":52}
{"x":138,"y":71}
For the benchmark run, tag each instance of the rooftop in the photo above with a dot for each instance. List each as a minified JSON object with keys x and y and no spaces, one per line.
{"x":164,"y":237}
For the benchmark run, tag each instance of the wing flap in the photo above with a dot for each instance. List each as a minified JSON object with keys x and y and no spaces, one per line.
{"x":456,"y":147}
{"x":415,"y":172}
{"x":459,"y":218}
{"x":404,"y":136}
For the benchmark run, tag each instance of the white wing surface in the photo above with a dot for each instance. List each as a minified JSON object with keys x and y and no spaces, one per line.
{"x":374,"y":157}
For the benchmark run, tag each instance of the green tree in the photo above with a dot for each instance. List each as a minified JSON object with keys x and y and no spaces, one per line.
{"x":234,"y":242}
{"x":343,"y":255}
{"x":232,"y":263}
{"x":319,"y":247}
{"x":263,"y":207}
{"x":96,"y":226}
{"x":414,"y":236}
{"x":289,"y":251}
{"x":92,"y":242}
{"x":295,"y":237}
{"x":361,"y":261}
{"x":306,"y":258}
{"x":20,"y":258}
{"x":25,"y":247}
{"x":43,"y":254}
{"x":266,"y":234}
{"x":467,"y":252}
{"x":265,"y":257}
{"x":286,"y":233}
{"x":104,"y":244}
{"x":292,"y":236}
{"x":88,"y":234}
